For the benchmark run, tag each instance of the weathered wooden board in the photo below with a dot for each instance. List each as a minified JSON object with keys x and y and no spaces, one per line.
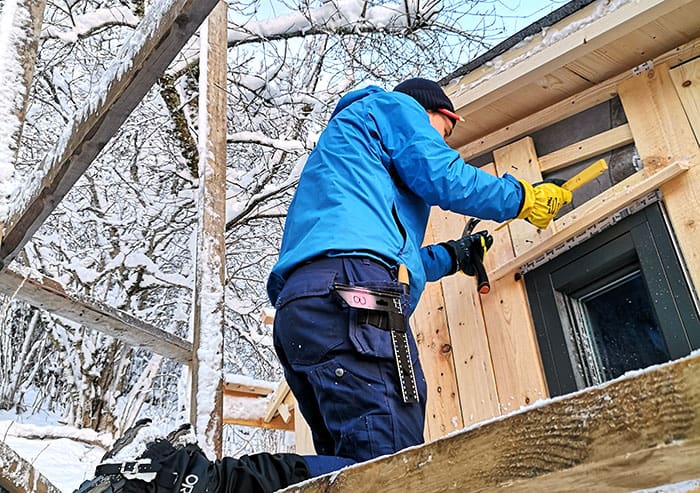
{"x":210,"y":265}
{"x":50,"y":295}
{"x":686,"y":80}
{"x":639,"y":431}
{"x":157,"y":40}
{"x":19,"y":476}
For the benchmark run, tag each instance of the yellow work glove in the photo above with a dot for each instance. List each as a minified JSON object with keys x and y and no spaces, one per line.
{"x":542,"y":201}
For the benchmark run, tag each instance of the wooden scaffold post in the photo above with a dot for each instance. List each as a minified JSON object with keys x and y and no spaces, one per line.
{"x":210,"y":259}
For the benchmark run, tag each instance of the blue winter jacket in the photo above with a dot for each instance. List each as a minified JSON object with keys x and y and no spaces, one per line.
{"x":368,"y":186}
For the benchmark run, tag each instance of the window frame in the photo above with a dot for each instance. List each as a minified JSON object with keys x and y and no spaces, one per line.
{"x":643,"y":241}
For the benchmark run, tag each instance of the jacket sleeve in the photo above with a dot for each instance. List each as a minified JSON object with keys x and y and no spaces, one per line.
{"x":437,"y":262}
{"x":434,"y":171}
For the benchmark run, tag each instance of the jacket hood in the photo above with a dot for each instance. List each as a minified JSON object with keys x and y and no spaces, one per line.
{"x":354,"y":96}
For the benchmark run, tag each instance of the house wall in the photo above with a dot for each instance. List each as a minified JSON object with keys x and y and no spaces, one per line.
{"x":479,"y":352}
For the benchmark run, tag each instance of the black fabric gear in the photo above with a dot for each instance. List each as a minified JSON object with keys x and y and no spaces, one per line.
{"x":466,"y":250}
{"x":186,"y":469}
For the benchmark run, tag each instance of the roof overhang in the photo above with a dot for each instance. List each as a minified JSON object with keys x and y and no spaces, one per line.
{"x":594,"y":43}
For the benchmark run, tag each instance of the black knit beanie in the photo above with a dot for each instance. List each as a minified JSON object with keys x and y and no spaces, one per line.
{"x":430,"y":96}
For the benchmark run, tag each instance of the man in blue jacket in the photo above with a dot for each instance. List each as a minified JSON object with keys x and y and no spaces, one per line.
{"x":359,"y":213}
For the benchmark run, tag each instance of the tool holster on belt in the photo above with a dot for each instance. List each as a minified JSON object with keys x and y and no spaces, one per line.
{"x":383,"y":309}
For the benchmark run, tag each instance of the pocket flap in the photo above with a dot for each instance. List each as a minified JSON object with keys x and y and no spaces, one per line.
{"x":302,"y":284}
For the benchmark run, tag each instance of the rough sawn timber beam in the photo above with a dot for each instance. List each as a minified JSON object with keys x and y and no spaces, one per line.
{"x":19,"y":476}
{"x":144,"y":57}
{"x":639,"y":431}
{"x":50,"y":295}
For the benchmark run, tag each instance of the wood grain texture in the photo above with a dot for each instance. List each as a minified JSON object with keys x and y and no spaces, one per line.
{"x":686,"y":80}
{"x":429,"y":324}
{"x":511,"y":335}
{"x":639,"y":431}
{"x":476,"y":382}
{"x":663,"y":134}
{"x":514,"y":352}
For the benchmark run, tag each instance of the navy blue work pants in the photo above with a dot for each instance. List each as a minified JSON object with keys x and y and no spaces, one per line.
{"x":343,"y":373}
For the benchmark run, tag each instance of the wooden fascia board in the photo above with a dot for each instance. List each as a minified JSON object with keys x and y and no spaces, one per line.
{"x":588,"y":98}
{"x":50,"y":295}
{"x":143,"y":58}
{"x":474,"y":92}
{"x":639,"y":431}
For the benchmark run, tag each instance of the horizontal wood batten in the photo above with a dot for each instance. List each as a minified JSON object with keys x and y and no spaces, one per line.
{"x":586,"y":148}
{"x":593,"y":211}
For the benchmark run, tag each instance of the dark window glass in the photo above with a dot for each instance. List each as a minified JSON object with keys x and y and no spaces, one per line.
{"x":617,"y":302}
{"x":624,"y":328}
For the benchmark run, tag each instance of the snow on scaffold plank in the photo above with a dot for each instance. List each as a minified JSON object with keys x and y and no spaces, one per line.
{"x":142,"y":59}
{"x":48,"y":294}
{"x":19,"y":476}
{"x":639,"y":431}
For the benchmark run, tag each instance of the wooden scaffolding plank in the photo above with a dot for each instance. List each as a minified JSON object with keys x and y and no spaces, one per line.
{"x":662,"y":134}
{"x":570,"y":106}
{"x":19,"y":476}
{"x":50,"y":295}
{"x":639,"y":431}
{"x":512,"y":75}
{"x":607,"y":203}
{"x":208,"y":320}
{"x":157,"y":40}
{"x":514,"y":352}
